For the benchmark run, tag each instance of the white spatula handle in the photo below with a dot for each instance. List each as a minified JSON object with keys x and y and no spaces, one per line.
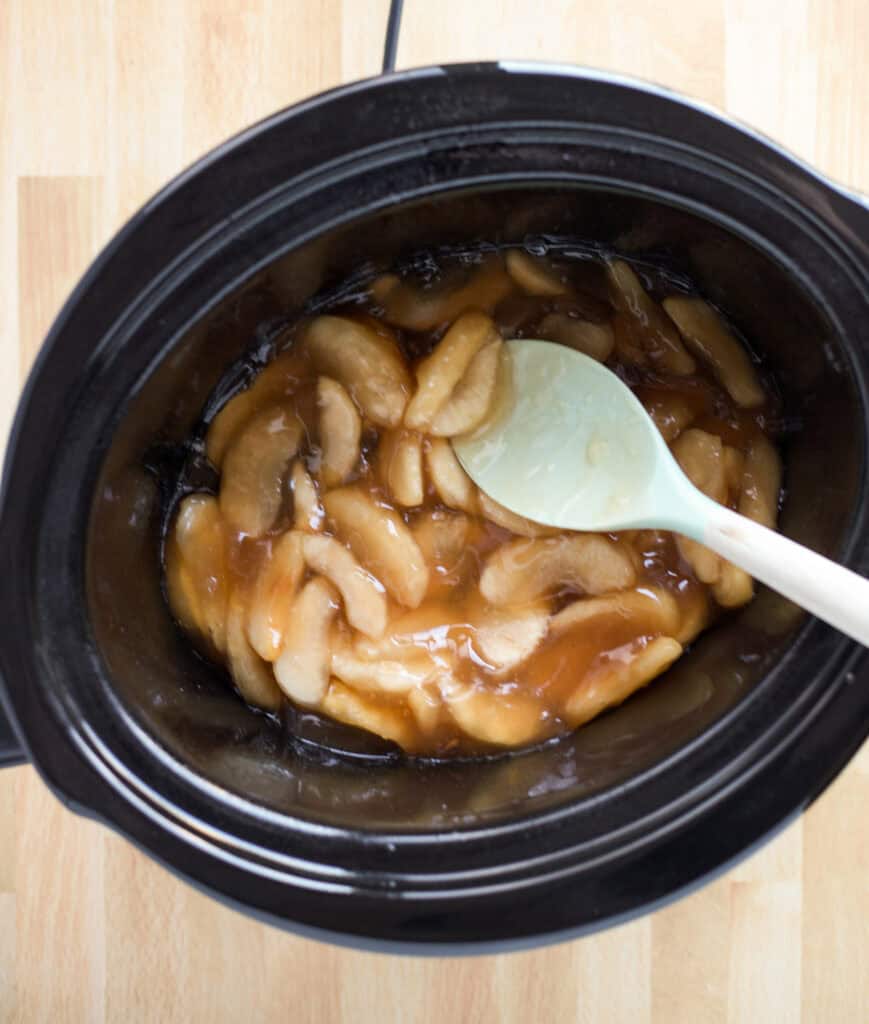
{"x":830,"y":591}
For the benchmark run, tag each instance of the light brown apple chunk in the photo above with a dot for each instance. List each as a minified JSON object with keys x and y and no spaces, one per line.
{"x":274,"y":591}
{"x":340,"y":428}
{"x":255,"y":467}
{"x":522,"y":571}
{"x":706,"y":333}
{"x":473,"y":396}
{"x":533,"y":274}
{"x":617,"y":678}
{"x":253,"y":676}
{"x":365,"y":361}
{"x":363,"y":596}
{"x":302,"y":668}
{"x":438,"y":375}
{"x":381,"y":541}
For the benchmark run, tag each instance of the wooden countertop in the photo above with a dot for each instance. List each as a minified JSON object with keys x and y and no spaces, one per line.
{"x":101,"y":101}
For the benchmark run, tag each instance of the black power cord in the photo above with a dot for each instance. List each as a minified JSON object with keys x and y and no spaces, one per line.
{"x":393,"y":25}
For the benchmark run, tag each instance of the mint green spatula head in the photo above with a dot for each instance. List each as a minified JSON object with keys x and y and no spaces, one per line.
{"x":570,"y":446}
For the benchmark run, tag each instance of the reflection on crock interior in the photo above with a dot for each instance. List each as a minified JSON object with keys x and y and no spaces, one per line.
{"x":339,"y":561}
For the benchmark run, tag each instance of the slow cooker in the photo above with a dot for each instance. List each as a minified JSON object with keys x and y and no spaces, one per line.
{"x":333,"y":837}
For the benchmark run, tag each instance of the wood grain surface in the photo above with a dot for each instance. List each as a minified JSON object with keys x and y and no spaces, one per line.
{"x":100,"y":102}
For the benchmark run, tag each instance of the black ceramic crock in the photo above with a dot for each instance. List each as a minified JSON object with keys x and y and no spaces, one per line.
{"x":125,"y":724}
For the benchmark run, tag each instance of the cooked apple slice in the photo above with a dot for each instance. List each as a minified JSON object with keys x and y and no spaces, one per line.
{"x":519,"y":525}
{"x":734,"y":587}
{"x":308,"y":513}
{"x":365,"y":361}
{"x":340,"y":432}
{"x":650,"y":328}
{"x":701,"y":456}
{"x":427,"y":706}
{"x":180,"y":584}
{"x":505,"y":637}
{"x":439,"y":373}
{"x":706,"y":333}
{"x":434,"y":629}
{"x":399,"y":464}
{"x":200,"y":588}
{"x":694,"y":612}
{"x":382,"y":676}
{"x":617,"y":678}
{"x":418,"y":309}
{"x":522,"y":571}
{"x":255,"y":467}
{"x":253,"y":676}
{"x":594,"y":340}
{"x":654,"y":609}
{"x":502,"y":719}
{"x":670,"y":414}
{"x":453,"y":485}
{"x":302,"y":668}
{"x":353,"y":708}
{"x":381,"y":541}
{"x":705,"y":564}
{"x":442,"y":536}
{"x":734,"y":466}
{"x":472,"y":398}
{"x":274,"y":591}
{"x":275,"y":381}
{"x":533,"y":275}
{"x":627,"y":340}
{"x":363,"y":596}
{"x":761,"y":483}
